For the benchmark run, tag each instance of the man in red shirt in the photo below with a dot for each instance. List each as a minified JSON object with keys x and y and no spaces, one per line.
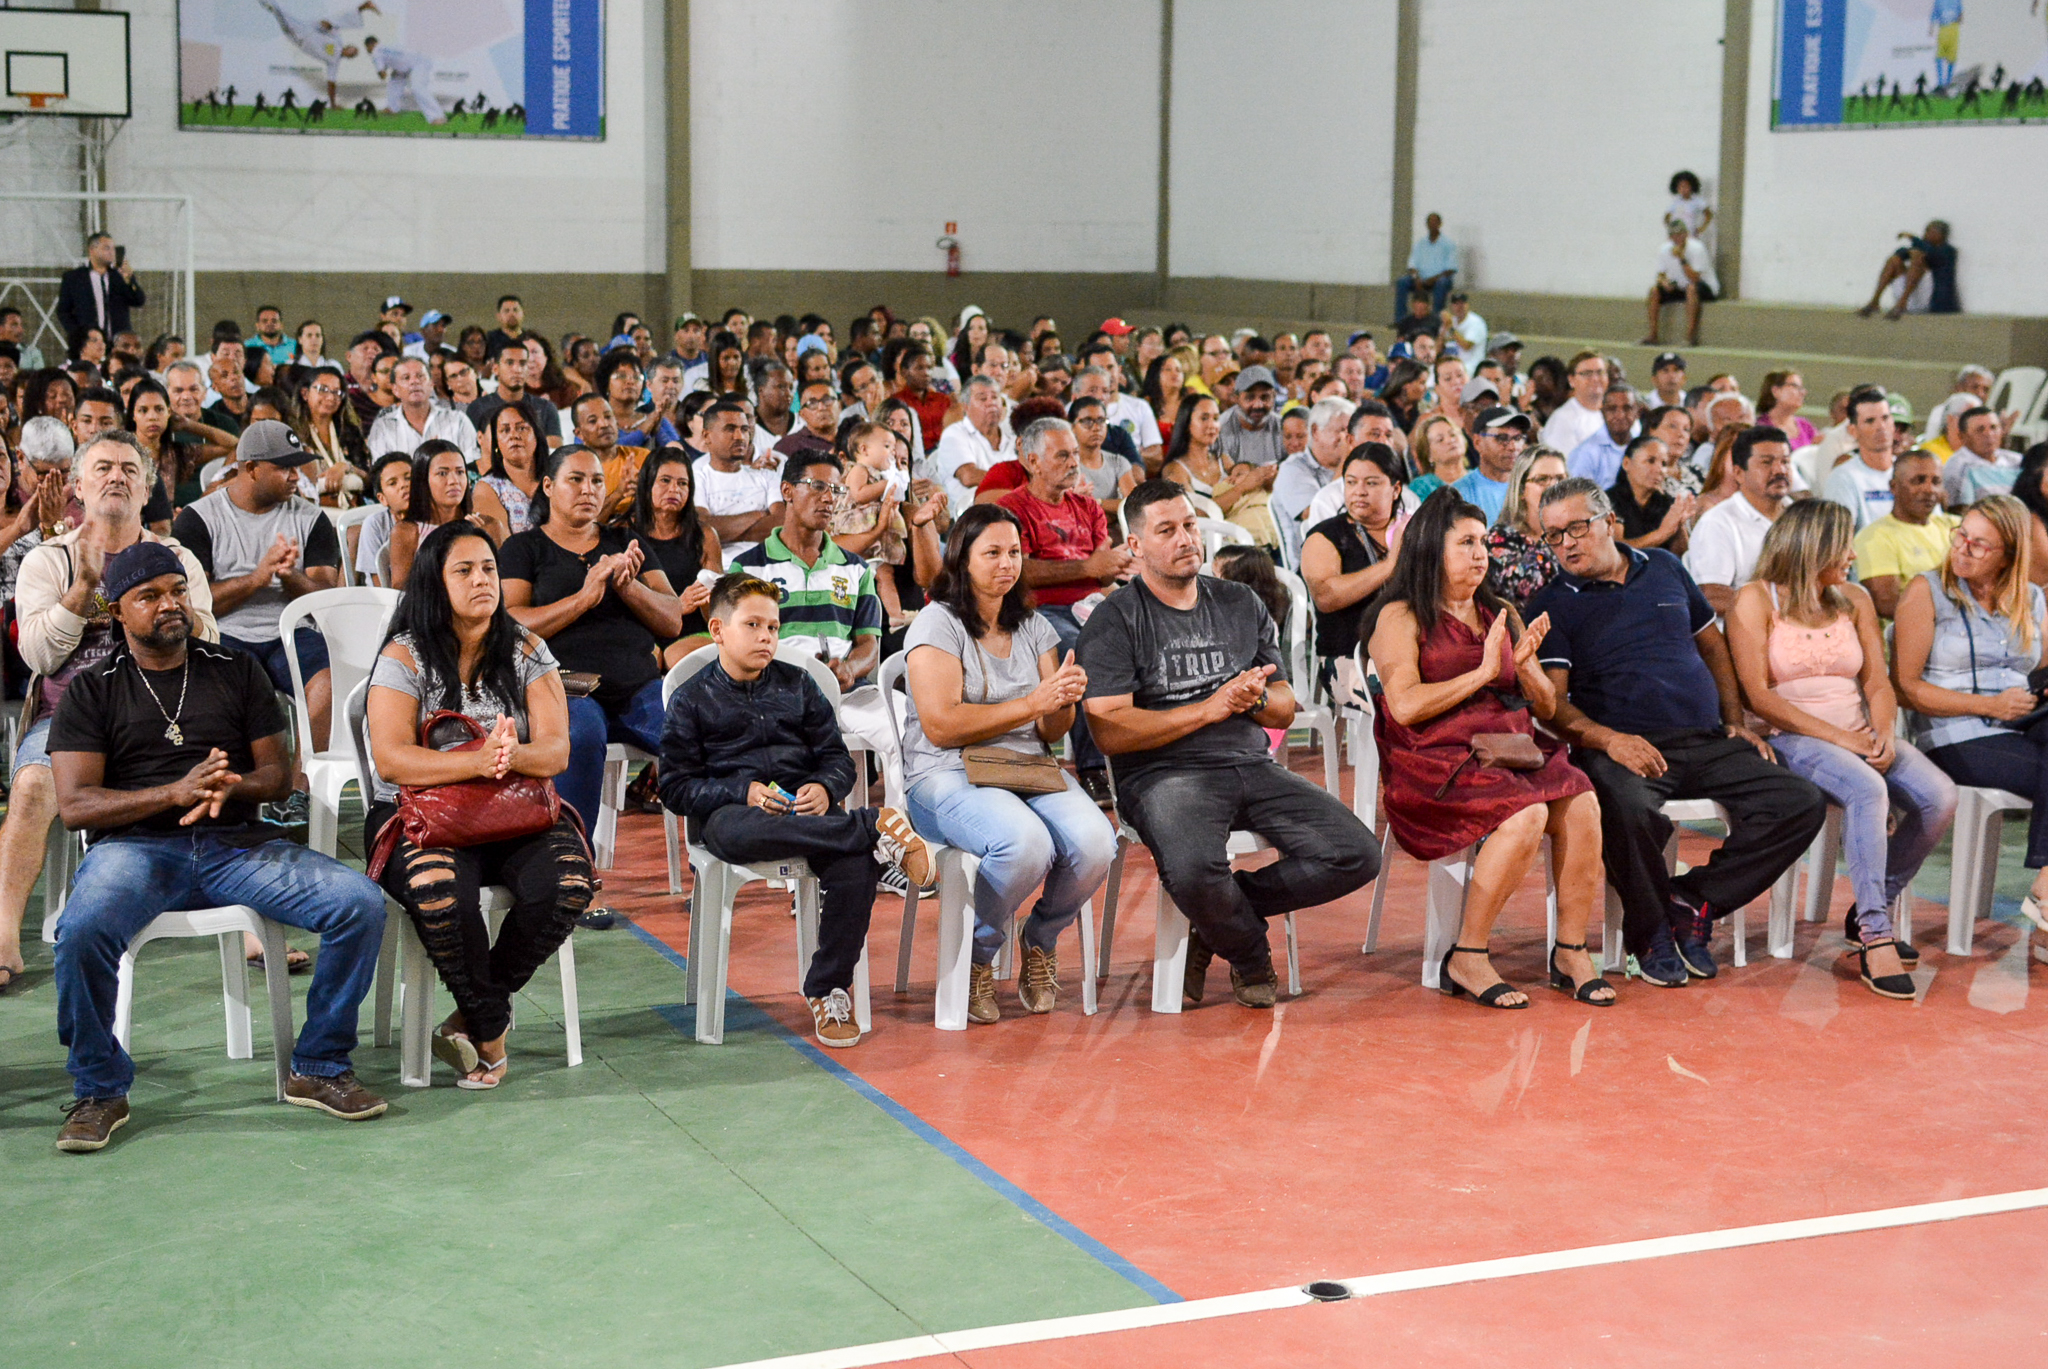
{"x":1068,"y":554}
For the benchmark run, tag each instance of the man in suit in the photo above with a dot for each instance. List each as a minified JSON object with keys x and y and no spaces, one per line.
{"x":98,"y":294}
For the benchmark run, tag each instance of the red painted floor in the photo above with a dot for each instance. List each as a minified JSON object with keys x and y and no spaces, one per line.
{"x":1372,"y":1125}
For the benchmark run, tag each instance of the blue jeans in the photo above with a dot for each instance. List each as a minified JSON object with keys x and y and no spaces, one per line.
{"x":592,"y":728}
{"x":1085,"y":754}
{"x":1022,"y":840}
{"x":1879,"y":866}
{"x":1404,"y":286}
{"x":125,"y":882}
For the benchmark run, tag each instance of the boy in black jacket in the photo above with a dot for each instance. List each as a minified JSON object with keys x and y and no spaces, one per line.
{"x":751,"y":755}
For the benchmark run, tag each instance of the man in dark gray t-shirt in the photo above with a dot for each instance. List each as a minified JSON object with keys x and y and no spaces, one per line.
{"x":1184,"y":676}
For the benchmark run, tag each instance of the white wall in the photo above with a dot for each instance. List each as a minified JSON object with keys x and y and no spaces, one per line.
{"x":1283,"y":139}
{"x":1028,"y":122}
{"x":1804,"y":246}
{"x":286,"y":202}
{"x":1547,"y":131}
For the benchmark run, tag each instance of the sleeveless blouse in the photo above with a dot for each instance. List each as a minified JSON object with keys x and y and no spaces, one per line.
{"x":1975,"y":652}
{"x":1816,"y":668}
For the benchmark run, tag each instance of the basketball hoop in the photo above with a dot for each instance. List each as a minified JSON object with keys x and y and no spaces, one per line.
{"x":38,"y":99}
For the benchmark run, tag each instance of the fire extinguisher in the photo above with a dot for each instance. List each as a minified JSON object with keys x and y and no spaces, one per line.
{"x":951,"y":245}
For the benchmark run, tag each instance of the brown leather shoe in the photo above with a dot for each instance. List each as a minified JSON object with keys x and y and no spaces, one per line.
{"x":981,"y":994}
{"x":92,"y":1123}
{"x":1256,"y":986}
{"x":340,"y":1096}
{"x":1192,"y":983}
{"x":1038,"y":987}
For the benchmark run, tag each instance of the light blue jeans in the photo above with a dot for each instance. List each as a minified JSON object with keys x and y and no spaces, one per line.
{"x":1060,"y":840}
{"x":1879,"y":866}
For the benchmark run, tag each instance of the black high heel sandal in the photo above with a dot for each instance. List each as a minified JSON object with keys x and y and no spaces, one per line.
{"x":1562,"y":982}
{"x":1491,"y":998}
{"x":1899,"y":986}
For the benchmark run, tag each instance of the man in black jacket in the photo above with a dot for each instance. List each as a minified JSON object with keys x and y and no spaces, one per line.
{"x":98,"y":294}
{"x":751,"y":756}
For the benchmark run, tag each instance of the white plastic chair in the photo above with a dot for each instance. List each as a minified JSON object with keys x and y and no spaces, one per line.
{"x":619,"y":758}
{"x":352,"y":621}
{"x":1310,"y":711}
{"x":210,"y":472}
{"x":1217,"y":534}
{"x":957,"y":872}
{"x":347,"y":525}
{"x":62,"y":851}
{"x":1980,"y":822}
{"x":716,"y":884}
{"x":403,"y":962}
{"x":2017,"y":387}
{"x":1170,"y":931}
{"x":1806,"y":461}
{"x":1821,"y":859}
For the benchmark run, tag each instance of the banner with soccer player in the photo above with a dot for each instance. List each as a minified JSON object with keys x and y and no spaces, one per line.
{"x":1878,"y":63}
{"x":476,"y":68}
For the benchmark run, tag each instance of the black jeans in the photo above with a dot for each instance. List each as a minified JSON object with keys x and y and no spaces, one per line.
{"x":2014,"y":761}
{"x":840,"y":848}
{"x":440,"y":889}
{"x":1186,"y":816}
{"x":1772,"y":818}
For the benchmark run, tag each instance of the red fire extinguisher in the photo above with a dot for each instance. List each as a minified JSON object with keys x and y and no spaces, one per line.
{"x":952,"y":246}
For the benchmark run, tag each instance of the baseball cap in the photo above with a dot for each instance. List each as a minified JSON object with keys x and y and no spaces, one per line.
{"x":1255,"y":375}
{"x":271,"y":441}
{"x":810,"y":342}
{"x":1477,"y":386}
{"x":1116,"y":327}
{"x":1500,"y":416}
{"x":1501,"y":341}
{"x":395,"y":302}
{"x":684,"y":319}
{"x":1667,"y":359}
{"x":1901,"y":407}
{"x":1361,"y":333}
{"x":1460,"y":297}
{"x":136,"y":565}
{"x":432,"y":317}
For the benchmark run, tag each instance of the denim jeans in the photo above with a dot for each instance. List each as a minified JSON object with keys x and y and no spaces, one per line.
{"x":592,"y":728}
{"x":1879,"y":866}
{"x":1080,"y":744}
{"x":1405,"y":285}
{"x":125,"y":882}
{"x":1022,"y":840}
{"x":1186,"y":816}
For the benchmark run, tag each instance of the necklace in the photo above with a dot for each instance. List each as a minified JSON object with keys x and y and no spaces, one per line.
{"x":173,"y":734}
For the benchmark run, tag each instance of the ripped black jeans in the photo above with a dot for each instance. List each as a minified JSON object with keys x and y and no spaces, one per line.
{"x":549,"y":878}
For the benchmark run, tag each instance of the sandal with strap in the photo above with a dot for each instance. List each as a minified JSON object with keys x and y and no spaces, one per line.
{"x":1899,"y":986}
{"x":496,"y":1067}
{"x":454,"y":1049}
{"x":1491,"y":998}
{"x":1562,"y":982}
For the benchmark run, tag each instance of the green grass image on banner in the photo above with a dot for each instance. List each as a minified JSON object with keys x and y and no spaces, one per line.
{"x":246,"y":118}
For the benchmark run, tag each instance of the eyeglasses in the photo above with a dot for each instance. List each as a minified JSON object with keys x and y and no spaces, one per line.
{"x":821,"y":486}
{"x":1504,"y":435}
{"x":323,"y":389}
{"x":1589,"y":373}
{"x":820,"y":402}
{"x":1570,"y":532}
{"x":1962,"y":540}
{"x":1542,"y":479}
{"x":1096,"y":422}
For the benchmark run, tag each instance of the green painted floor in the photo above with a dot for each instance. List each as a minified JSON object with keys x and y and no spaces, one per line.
{"x":664,"y":1204}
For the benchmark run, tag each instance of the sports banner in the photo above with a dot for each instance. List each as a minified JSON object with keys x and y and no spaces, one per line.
{"x":1878,"y":63}
{"x":474,"y":68}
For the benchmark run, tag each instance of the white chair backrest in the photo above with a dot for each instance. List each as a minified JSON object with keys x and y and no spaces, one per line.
{"x":356,"y":712}
{"x":1807,"y":462}
{"x":887,"y":677}
{"x":209,"y":472}
{"x":349,"y":523}
{"x":2033,"y":424}
{"x":352,"y":620}
{"x":705,"y":655}
{"x":383,"y":576}
{"x":1298,"y":629}
{"x":2017,"y":387}
{"x":1204,"y":506}
{"x":1217,"y":534}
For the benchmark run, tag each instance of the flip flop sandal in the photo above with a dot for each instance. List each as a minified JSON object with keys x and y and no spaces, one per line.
{"x":499,"y":1067}
{"x":13,"y":978}
{"x":455,"y":1049}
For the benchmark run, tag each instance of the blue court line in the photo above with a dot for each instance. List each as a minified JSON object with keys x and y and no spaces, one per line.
{"x":683,"y":1019}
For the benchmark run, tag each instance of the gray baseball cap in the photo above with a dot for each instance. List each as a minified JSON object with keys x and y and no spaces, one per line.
{"x":1477,"y":386}
{"x":269,"y":440}
{"x":1255,"y":375}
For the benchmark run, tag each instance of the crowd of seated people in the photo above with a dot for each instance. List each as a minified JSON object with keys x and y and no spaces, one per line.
{"x":1667,"y":593}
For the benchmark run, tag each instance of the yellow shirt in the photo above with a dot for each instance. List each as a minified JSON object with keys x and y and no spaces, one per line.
{"x":1939,"y":448}
{"x":1890,"y":547}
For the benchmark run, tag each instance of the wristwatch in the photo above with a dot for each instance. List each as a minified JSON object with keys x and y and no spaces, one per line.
{"x":1265,"y":697}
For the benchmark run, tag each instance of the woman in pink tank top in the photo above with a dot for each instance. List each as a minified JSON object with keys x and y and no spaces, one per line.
{"x":1811,"y":663}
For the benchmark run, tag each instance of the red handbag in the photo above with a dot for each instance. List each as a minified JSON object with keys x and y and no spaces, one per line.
{"x":467,"y":812}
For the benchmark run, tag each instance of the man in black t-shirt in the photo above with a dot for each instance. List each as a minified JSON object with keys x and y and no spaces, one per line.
{"x":1184,"y":676}
{"x":162,"y":755}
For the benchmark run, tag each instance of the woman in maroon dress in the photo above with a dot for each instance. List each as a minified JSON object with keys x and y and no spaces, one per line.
{"x":1455,"y":661}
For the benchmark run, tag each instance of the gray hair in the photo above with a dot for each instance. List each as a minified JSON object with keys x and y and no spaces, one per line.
{"x":1975,"y":370}
{"x":1331,"y":409}
{"x":46,"y":440}
{"x":978,"y":383}
{"x":186,"y":364}
{"x":1598,"y":505}
{"x":1031,"y":441}
{"x":120,"y":437}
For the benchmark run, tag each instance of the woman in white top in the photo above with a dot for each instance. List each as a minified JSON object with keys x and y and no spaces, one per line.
{"x":984,"y":670}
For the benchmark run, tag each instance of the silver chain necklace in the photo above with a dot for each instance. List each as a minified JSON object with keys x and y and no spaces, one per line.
{"x":173,"y":734}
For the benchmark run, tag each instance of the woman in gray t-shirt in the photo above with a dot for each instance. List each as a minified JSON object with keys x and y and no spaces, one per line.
{"x":984,"y":670}
{"x":453,"y":646}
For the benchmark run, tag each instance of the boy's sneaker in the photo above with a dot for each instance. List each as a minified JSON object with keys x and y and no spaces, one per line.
{"x":1692,"y":928}
{"x":894,"y":882}
{"x":833,"y":1017}
{"x":898,"y":844}
{"x":295,"y":811}
{"x":1659,"y":965}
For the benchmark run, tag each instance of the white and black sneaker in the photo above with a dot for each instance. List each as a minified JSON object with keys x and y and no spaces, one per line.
{"x":894,"y":882}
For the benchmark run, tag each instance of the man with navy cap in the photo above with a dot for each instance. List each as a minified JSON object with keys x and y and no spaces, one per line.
{"x":162,"y":753}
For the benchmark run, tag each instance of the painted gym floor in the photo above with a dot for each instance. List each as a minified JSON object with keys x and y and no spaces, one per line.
{"x":669,"y":1203}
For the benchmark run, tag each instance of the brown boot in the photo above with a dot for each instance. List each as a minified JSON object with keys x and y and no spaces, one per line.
{"x":1039,"y":986}
{"x":1256,"y":985}
{"x":91,"y":1124}
{"x":981,"y":994}
{"x":1192,"y":984}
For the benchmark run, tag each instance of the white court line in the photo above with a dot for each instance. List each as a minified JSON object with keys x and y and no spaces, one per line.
{"x":1373,"y":1285}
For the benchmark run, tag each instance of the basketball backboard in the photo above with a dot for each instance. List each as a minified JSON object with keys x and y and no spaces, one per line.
{"x":64,"y":62}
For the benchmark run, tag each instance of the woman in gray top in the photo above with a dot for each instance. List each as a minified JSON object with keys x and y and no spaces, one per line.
{"x":984,"y":669}
{"x":453,"y":646}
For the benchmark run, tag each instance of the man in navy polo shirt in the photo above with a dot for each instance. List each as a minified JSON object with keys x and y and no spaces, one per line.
{"x":1647,"y":696}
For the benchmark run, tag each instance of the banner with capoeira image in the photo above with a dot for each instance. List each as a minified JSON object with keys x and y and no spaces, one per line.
{"x":1882,"y":63}
{"x":474,"y":68}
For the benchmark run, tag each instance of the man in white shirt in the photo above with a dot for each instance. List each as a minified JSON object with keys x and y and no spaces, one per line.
{"x":1578,"y":418}
{"x":1308,"y":471}
{"x":1725,"y":542}
{"x":1863,"y":483}
{"x":741,"y":502}
{"x":1685,"y":271}
{"x":417,"y":417}
{"x":1371,"y":421}
{"x":1464,"y":331}
{"x":968,"y":448}
{"x":1598,"y":458}
{"x":407,"y":75}
{"x":1128,"y":412}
